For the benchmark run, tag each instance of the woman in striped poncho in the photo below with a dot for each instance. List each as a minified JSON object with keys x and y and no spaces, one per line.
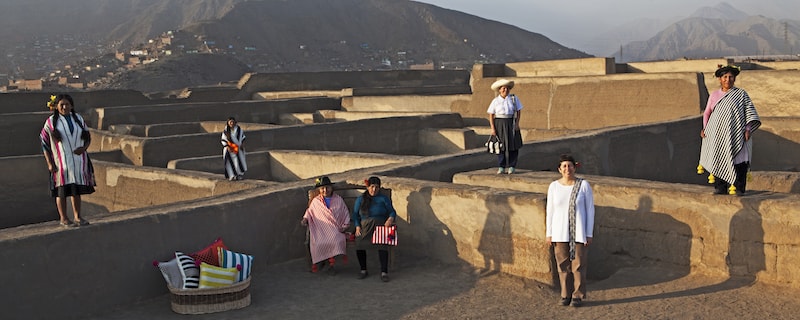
{"x":729,"y":121}
{"x":65,"y":140}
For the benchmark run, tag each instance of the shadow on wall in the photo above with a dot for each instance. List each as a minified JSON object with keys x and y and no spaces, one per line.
{"x":772,"y":152}
{"x":429,"y":231}
{"x":637,"y":238}
{"x":496,"y":244}
{"x":745,"y":257}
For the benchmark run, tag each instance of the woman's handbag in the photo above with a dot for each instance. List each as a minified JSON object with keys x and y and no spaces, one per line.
{"x":384,"y":235}
{"x":494,"y":146}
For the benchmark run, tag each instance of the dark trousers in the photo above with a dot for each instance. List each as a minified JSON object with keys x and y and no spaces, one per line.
{"x":741,"y":179}
{"x":502,"y":162}
{"x":383,"y":256}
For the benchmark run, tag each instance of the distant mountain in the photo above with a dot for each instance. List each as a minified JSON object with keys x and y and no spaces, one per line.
{"x":722,"y":11}
{"x":606,"y":43}
{"x":700,"y":37}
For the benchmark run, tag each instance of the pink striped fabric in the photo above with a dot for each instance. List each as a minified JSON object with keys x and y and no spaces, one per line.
{"x":72,"y":168}
{"x":384,"y":235}
{"x":325,"y":226}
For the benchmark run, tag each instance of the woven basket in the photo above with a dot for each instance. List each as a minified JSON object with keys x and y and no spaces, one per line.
{"x":199,"y":301}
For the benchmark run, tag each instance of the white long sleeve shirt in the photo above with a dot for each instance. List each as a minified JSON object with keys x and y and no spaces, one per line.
{"x":558,"y":212}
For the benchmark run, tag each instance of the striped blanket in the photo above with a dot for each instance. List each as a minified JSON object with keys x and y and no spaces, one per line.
{"x":725,"y":133}
{"x":325,"y":226}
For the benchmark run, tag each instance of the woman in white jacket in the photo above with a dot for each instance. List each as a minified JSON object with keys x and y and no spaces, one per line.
{"x":570,"y":223}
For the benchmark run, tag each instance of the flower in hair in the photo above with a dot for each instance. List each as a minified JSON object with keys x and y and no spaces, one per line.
{"x":51,"y":104}
{"x":366,"y":182}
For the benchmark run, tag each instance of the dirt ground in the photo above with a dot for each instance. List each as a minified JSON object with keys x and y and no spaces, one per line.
{"x":426,"y":289}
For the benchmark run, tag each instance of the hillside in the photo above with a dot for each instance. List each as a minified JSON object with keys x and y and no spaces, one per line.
{"x":124,"y":22}
{"x":180,"y":72}
{"x":311,"y":35}
{"x":706,"y":35}
{"x":264,"y":35}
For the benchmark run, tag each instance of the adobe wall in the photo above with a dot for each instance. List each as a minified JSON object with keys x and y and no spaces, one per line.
{"x":243,"y":111}
{"x":778,"y":65}
{"x":253,"y":83}
{"x":116,"y":251}
{"x":26,"y":196}
{"x":493,"y":229}
{"x":321,"y":116}
{"x":706,"y":65}
{"x":36,"y":101}
{"x":504,"y":231}
{"x":398,"y":136}
{"x":672,"y":153}
{"x":683,"y":225}
{"x":21,"y":133}
{"x":559,"y":68}
{"x":776,"y":145}
{"x":590,"y":102}
{"x":292,"y":165}
{"x":296,"y":165}
{"x":774,"y":92}
{"x":404,"y":103}
{"x":123,"y":187}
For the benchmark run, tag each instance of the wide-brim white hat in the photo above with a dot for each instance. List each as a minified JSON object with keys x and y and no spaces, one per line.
{"x":502,"y":83}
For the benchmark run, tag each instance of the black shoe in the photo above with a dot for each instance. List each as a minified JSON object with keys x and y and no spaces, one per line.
{"x":363,"y":274}
{"x":384,"y":277}
{"x":576,"y":302}
{"x":565,"y":301}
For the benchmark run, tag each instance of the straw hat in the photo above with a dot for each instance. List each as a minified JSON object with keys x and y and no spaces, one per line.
{"x":502,"y":83}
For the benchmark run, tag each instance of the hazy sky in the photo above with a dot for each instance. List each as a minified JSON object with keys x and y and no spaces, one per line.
{"x":572,"y":22}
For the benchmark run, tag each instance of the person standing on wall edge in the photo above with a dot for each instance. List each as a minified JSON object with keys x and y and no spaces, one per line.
{"x":65,"y":141}
{"x":504,"y":113}
{"x":729,"y":120}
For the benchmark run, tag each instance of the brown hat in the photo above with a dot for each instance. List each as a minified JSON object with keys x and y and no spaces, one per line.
{"x":502,"y":83}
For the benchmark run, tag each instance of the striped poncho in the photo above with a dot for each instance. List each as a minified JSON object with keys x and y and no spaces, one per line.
{"x":725,"y":133}
{"x":71,"y":168}
{"x":235,"y":162}
{"x":325,"y":226}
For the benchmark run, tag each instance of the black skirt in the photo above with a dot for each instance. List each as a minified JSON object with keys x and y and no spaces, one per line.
{"x":70,"y":190}
{"x":504,"y":127}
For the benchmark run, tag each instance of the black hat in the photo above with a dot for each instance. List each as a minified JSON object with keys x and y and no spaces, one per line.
{"x":373,"y":180}
{"x":322,"y":181}
{"x":722,"y":70}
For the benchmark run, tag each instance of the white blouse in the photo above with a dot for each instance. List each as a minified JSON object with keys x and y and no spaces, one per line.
{"x":558,"y":212}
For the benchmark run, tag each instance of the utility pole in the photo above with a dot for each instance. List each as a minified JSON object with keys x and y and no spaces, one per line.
{"x":786,"y":36}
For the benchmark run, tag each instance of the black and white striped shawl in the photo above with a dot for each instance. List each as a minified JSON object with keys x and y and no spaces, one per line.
{"x":725,"y":133}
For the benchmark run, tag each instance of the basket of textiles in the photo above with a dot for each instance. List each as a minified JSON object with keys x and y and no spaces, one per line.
{"x":211,"y":280}
{"x":199,"y":301}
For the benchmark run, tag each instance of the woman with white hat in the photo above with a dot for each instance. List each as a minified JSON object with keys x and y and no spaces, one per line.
{"x":504,"y":113}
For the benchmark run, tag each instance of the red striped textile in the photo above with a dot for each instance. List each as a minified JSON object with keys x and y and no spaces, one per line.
{"x":384,"y":235}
